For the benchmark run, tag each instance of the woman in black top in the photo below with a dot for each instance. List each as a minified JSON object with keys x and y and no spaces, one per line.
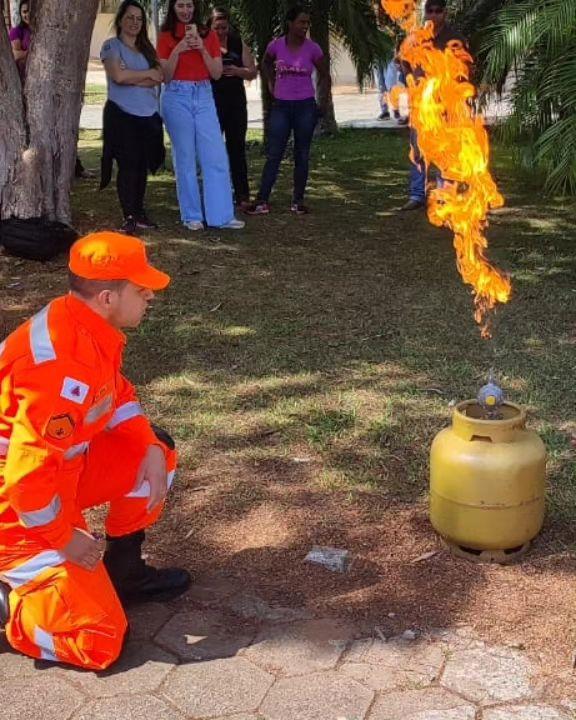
{"x":230,"y":97}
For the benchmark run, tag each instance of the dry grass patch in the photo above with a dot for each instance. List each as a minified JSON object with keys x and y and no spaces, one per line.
{"x":304,"y":366}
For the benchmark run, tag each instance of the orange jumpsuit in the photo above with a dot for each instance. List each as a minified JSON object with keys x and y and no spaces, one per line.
{"x":72,"y":435}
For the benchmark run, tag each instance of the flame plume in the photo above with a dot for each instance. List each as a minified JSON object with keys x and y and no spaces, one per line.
{"x":453,"y":138}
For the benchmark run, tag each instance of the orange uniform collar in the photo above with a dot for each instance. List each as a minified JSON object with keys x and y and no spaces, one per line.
{"x":109,"y":338}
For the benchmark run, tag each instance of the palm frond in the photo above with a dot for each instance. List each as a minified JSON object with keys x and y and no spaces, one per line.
{"x":521,"y":26}
{"x":472,"y":16}
{"x":354,"y":23}
{"x":554,"y":151}
{"x":535,"y":40}
{"x":258,"y":21}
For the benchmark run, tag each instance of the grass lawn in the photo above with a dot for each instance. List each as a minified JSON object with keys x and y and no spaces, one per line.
{"x":305,"y":364}
{"x":95,"y":94}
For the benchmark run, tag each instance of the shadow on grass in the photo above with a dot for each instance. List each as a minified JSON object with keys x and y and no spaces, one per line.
{"x":305,"y":365}
{"x":350,"y":290}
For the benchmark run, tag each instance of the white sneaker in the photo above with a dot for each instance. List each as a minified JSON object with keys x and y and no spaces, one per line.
{"x":234,"y":224}
{"x":194,"y":225}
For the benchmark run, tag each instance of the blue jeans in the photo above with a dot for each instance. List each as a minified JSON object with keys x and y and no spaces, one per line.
{"x":417,"y":185}
{"x":190,"y":117}
{"x":286,"y":116}
{"x":380,"y":77}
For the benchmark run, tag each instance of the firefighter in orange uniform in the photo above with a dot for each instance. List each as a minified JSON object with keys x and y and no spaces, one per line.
{"x":72,"y":436}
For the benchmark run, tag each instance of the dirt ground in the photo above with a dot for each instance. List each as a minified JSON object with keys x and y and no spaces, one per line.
{"x":293,"y":366}
{"x":256,"y":523}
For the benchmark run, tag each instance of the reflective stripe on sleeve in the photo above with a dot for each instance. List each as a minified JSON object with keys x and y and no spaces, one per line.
{"x":44,"y":516}
{"x":4,"y":445}
{"x":125,"y":412}
{"x":40,"y":342}
{"x":20,"y":575}
{"x":2,"y":346}
{"x":45,"y":642}
{"x":76,"y":450}
{"x":144,"y":490}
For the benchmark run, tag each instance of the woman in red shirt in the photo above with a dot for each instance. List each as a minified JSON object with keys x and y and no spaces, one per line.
{"x":190,"y":57}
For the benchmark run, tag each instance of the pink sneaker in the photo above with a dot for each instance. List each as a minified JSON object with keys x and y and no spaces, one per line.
{"x":258,"y":209}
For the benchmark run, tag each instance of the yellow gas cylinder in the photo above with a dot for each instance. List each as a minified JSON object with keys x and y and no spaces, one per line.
{"x":487,"y":483}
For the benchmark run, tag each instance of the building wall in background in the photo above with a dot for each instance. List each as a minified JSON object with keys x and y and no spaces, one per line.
{"x":104,"y":28}
{"x":343,"y":70}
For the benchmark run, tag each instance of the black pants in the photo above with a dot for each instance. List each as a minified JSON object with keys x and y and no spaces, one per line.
{"x":233,"y":118}
{"x":131,"y":184}
{"x":136,"y":143}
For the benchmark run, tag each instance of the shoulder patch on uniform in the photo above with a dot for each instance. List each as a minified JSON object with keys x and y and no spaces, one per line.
{"x":74,"y":390}
{"x":60,"y":427}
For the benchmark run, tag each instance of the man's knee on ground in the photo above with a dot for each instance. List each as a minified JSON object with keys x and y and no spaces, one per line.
{"x":101,"y":651}
{"x":82,"y":630}
{"x":115,"y":648}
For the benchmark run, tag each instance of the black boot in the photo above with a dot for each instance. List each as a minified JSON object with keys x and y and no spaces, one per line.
{"x":4,"y":604}
{"x":164,"y":437}
{"x":136,"y":582}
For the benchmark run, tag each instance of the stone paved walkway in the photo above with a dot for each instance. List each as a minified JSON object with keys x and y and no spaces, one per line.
{"x":352,"y":108}
{"x":223,"y":653}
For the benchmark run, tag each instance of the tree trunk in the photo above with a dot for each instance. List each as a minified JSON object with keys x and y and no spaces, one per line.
{"x":12,"y":135}
{"x":38,"y":136}
{"x":7,"y":13}
{"x":320,"y":33}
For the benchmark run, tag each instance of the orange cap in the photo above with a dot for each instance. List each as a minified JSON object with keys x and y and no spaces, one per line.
{"x":113,"y":256}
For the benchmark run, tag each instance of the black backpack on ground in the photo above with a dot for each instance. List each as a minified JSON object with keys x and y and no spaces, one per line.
{"x":36,"y":238}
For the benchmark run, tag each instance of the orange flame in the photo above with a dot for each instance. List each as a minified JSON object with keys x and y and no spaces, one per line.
{"x":394,"y":96}
{"x":453,"y":138}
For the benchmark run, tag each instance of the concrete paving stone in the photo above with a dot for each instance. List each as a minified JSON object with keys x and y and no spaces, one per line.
{"x":398,"y":663}
{"x":383,"y":679}
{"x":211,"y":588}
{"x":570,"y":703}
{"x":38,"y":697}
{"x":248,"y":606}
{"x":489,"y":676}
{"x":243,"y":716}
{"x":134,"y":707}
{"x":217,"y":687}
{"x":428,"y":704}
{"x":318,"y":696}
{"x":301,"y":647}
{"x":16,"y":665}
{"x":462,"y":638}
{"x":141,"y":668}
{"x":146,"y":620}
{"x":525,"y":712}
{"x":13,"y":664}
{"x":203,"y":635}
{"x":560,"y":689}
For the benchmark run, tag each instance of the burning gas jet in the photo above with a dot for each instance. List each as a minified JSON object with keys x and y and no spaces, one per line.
{"x":453,"y":138}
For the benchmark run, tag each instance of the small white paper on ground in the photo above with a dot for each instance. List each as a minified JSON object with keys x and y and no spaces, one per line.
{"x":331,"y":558}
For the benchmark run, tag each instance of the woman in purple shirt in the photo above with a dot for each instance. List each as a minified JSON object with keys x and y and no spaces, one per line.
{"x":287,"y":66}
{"x":20,"y":37}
